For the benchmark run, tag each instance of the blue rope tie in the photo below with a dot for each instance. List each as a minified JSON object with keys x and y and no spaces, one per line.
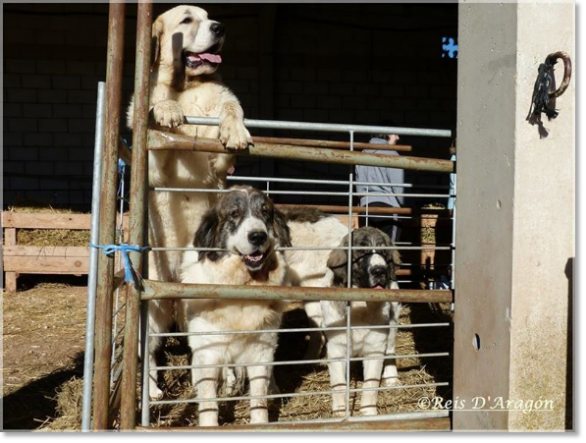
{"x":123,"y":248}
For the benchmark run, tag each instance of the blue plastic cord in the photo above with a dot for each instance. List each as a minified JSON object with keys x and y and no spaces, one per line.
{"x":123,"y":248}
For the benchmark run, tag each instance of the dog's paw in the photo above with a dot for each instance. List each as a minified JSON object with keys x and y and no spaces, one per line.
{"x":370,"y":410}
{"x":168,"y":113}
{"x":155,"y":393}
{"x":234,"y":135}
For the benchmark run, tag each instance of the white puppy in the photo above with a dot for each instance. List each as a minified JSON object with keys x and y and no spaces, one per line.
{"x":370,"y":269}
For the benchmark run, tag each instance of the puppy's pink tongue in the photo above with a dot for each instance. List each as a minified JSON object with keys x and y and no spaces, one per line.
{"x":214,"y":58}
{"x":378,"y":287}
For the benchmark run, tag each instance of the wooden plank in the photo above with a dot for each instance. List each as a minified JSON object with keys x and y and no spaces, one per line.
{"x":48,"y":221}
{"x":46,"y":259}
{"x":47,"y":251}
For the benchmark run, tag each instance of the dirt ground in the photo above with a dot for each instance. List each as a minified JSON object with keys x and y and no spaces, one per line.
{"x":44,"y":332}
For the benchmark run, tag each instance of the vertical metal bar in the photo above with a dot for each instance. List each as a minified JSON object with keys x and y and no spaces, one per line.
{"x":349,"y":283}
{"x":103,"y":331}
{"x":145,"y":393}
{"x":139,"y":195}
{"x":119,"y":239}
{"x":88,"y":364}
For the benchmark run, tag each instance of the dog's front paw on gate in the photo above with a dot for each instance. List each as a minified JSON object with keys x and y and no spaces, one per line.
{"x":234,"y":135}
{"x":168,"y":114}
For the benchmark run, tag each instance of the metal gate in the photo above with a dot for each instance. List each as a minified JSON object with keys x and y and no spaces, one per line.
{"x":115,"y":373}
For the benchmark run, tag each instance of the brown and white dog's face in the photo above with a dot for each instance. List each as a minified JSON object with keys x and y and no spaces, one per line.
{"x":245,"y":222}
{"x":371,"y":268}
{"x":186,"y":39}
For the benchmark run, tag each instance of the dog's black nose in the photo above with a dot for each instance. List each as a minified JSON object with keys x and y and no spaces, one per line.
{"x":378,"y":271}
{"x":218,"y":29}
{"x":257,"y":238}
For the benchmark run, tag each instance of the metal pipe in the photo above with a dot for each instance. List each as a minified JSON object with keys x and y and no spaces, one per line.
{"x":292,"y":394}
{"x":88,"y":359}
{"x":330,"y":144}
{"x":298,"y":362}
{"x":317,"y":248}
{"x":402,"y":421}
{"x":138,"y":205}
{"x":153,"y":290}
{"x":166,"y":141}
{"x":103,"y":332}
{"x":302,"y":192}
{"x":329,"y":127}
{"x":278,"y":331}
{"x":338,"y":209}
{"x":330,"y":182}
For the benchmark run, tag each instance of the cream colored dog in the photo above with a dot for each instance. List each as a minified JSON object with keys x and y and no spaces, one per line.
{"x":187,"y":47}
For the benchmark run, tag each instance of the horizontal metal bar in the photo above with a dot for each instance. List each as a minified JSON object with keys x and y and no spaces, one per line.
{"x":298,"y":362}
{"x":173,"y":141}
{"x":330,"y":182}
{"x":333,"y":127}
{"x":266,"y":331}
{"x":337,"y":209}
{"x":154,"y":290}
{"x":291,"y":395}
{"x":303,"y":192}
{"x":317,"y":248}
{"x":401,"y":421}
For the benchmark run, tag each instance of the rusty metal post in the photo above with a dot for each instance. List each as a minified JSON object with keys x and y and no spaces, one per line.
{"x":103,"y":332}
{"x":138,"y":205}
{"x":157,"y":290}
{"x":165,"y":141}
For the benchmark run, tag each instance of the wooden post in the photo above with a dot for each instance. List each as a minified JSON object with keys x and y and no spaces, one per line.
{"x":10,"y":277}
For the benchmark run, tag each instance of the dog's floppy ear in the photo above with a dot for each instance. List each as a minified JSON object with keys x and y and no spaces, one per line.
{"x":156,"y":37}
{"x":207,"y":235}
{"x":338,"y":263}
{"x":282,"y":231}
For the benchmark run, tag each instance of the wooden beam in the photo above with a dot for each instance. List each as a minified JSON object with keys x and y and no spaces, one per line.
{"x":48,"y":221}
{"x":46,"y":260}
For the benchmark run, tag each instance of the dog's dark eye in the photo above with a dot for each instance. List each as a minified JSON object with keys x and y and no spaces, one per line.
{"x":264,"y":210}
{"x":187,"y":20}
{"x":235,"y":213}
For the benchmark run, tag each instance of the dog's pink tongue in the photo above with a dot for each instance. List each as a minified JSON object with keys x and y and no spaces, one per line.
{"x":214,"y":58}
{"x":378,"y":287}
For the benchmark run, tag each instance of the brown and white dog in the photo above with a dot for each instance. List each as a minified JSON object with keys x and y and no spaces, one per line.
{"x":187,"y":52}
{"x":373,"y":269}
{"x":246,"y":226}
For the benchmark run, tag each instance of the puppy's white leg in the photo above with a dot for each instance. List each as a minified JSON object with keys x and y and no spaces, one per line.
{"x":205,"y":381}
{"x":374,"y":346}
{"x":160,"y":317}
{"x":316,"y":338}
{"x":390,"y":374}
{"x":259,"y":378}
{"x":337,"y":349}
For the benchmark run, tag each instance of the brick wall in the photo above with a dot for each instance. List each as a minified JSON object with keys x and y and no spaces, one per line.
{"x":326,"y":63}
